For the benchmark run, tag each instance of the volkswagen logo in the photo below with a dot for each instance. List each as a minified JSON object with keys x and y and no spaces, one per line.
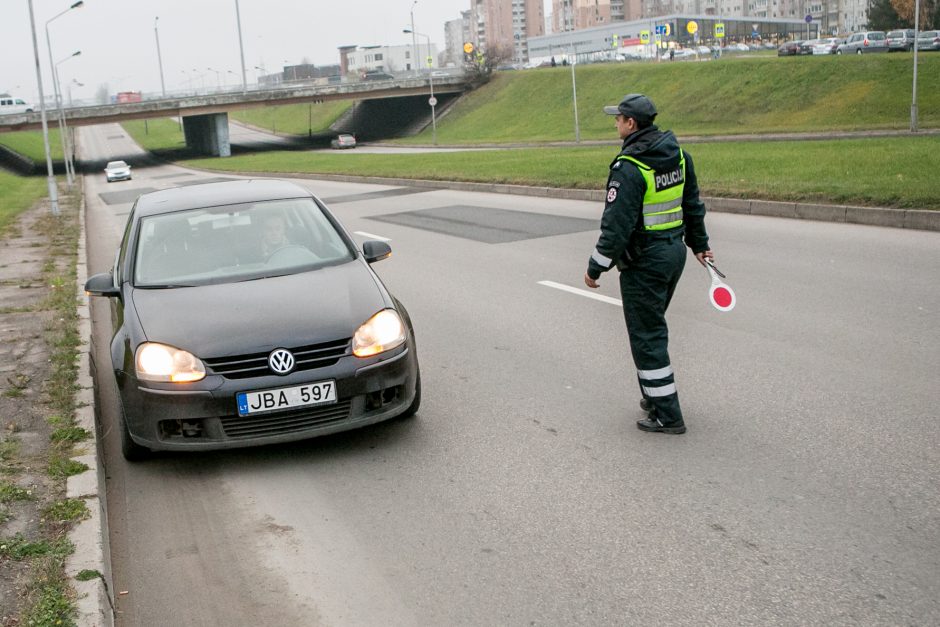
{"x":281,"y":361}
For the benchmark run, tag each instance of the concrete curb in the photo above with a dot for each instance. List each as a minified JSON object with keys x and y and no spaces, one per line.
{"x":93,"y":604}
{"x":921,"y":219}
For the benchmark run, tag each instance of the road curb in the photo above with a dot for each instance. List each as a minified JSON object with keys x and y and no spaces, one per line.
{"x":89,"y":537}
{"x":920,"y":219}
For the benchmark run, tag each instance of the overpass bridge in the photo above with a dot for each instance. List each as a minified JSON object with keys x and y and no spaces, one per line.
{"x":205,"y":117}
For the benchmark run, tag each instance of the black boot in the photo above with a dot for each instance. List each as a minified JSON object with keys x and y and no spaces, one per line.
{"x":646,"y":404}
{"x":651,"y":423}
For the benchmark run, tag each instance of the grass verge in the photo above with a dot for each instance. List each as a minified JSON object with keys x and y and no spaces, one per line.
{"x":19,"y":193}
{"x":157,"y":135}
{"x":887,"y":172}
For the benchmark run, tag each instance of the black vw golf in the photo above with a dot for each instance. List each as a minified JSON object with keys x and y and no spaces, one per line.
{"x":244,"y":314}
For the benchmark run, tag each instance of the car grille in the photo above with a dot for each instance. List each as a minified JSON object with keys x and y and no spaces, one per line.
{"x":256,"y":364}
{"x":237,"y":427}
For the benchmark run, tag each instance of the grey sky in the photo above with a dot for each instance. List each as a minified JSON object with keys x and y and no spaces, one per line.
{"x":116,"y":38}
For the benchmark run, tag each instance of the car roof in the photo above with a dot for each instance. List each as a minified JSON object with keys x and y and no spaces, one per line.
{"x":216,"y":195}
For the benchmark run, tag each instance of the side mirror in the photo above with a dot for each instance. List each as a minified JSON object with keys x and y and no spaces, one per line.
{"x":101,"y":285}
{"x":374,"y":250}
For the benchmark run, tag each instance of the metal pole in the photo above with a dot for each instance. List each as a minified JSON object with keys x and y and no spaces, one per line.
{"x":432,"y":99}
{"x":574,"y":97}
{"x":156,"y":35}
{"x":50,"y":178}
{"x":58,"y":104}
{"x":414,"y":38}
{"x":241,"y":47}
{"x":914,"y":90}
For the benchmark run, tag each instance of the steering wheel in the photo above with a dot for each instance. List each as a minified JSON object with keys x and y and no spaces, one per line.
{"x":290,"y":255}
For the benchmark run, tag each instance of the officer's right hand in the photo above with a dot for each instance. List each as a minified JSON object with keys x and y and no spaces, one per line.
{"x":590,"y":282}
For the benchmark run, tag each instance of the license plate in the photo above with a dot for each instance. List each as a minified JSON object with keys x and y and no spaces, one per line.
{"x":319,"y":393}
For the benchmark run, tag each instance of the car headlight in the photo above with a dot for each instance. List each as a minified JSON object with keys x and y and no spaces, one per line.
{"x":159,"y":362}
{"x":383,"y":332}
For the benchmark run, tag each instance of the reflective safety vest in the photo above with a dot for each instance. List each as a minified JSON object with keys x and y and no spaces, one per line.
{"x":662,"y":203}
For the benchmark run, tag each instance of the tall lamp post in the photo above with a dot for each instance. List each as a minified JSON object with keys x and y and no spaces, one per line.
{"x":414,"y":41}
{"x":241,"y":47}
{"x":156,"y":35}
{"x":63,"y":129}
{"x":55,"y":88}
{"x":432,"y":100}
{"x":914,"y":91}
{"x":50,"y":177}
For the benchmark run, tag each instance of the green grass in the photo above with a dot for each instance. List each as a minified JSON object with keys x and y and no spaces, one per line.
{"x":298,"y":119}
{"x":29,"y":143}
{"x":158,"y":134}
{"x":855,"y":171}
{"x":730,"y":96}
{"x":66,"y":510}
{"x":19,"y":193}
{"x":10,"y":492}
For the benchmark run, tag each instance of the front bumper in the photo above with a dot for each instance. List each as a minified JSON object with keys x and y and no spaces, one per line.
{"x":163,"y":417}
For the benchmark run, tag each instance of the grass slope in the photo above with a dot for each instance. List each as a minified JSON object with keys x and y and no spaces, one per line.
{"x":158,"y":134}
{"x":299,"y":119}
{"x":29,"y":144}
{"x":730,"y":96}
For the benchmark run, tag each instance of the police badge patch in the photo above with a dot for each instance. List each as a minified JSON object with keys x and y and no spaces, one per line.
{"x":612,"y":194}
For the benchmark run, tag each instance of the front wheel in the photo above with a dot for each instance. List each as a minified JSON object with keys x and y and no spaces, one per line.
{"x":838,"y":52}
{"x":416,"y":403}
{"x":132,"y":451}
{"x":859,"y":51}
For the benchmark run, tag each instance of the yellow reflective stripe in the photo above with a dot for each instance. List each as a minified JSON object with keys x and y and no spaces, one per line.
{"x":663,"y":227}
{"x":662,"y":207}
{"x":663,"y":218}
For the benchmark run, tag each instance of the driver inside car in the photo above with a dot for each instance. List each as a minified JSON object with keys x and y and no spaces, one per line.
{"x":274,"y":234}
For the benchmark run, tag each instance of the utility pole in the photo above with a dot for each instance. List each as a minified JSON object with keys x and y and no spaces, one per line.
{"x":50,"y":178}
{"x":156,"y":34}
{"x":914,"y":92}
{"x":241,"y":47}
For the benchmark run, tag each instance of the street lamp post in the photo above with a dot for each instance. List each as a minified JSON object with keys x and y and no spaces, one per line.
{"x":218,"y":77}
{"x":55,"y":89}
{"x":73,"y":82}
{"x":156,"y":34}
{"x":432,"y":100}
{"x":914,"y":90}
{"x":414,"y":41}
{"x":50,"y":177}
{"x":63,"y":129}
{"x":241,"y":47}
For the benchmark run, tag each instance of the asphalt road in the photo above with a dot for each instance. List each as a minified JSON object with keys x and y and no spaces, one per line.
{"x":805,"y":491}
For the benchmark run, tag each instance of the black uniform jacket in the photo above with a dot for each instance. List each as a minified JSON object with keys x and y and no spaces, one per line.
{"x":623,"y":211}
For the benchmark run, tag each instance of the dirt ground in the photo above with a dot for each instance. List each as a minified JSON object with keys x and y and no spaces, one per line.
{"x":24,"y":369}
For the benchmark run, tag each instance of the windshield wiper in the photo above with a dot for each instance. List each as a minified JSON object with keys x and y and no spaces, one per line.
{"x":164,"y":287}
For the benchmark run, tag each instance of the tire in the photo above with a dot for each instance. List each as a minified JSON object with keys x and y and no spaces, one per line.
{"x":859,"y":51}
{"x":416,"y":403}
{"x":132,"y":451}
{"x":839,"y":52}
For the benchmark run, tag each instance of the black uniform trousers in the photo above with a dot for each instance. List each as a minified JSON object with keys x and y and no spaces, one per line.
{"x":647,"y":286}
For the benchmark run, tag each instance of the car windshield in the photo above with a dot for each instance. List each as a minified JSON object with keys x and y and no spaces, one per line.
{"x":116,"y":164}
{"x":236,"y":243}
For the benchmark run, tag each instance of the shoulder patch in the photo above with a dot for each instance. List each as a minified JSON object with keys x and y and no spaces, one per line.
{"x":617,"y":164}
{"x":611,"y":194}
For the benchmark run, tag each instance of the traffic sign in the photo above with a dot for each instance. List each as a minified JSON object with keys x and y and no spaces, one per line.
{"x":719,"y":30}
{"x":644,"y":37}
{"x":660,"y":29}
{"x":430,"y":61}
{"x":432,"y":101}
{"x":720,"y":294}
{"x":692,"y":27}
{"x":808,"y":19}
{"x":667,"y":29}
{"x":468,"y":47}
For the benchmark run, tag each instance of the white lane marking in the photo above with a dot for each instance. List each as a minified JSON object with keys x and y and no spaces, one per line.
{"x":371,"y":236}
{"x":585,"y":293}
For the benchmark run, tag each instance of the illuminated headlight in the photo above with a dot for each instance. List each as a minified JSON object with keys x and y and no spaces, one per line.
{"x":383,"y":332}
{"x":159,"y":362}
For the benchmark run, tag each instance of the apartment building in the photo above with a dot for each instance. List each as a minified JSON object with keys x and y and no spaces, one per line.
{"x":505,"y":26}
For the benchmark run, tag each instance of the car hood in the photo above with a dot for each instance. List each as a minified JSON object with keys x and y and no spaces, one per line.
{"x":257,"y":316}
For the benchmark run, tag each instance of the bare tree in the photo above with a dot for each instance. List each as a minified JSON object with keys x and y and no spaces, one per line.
{"x":928,"y":12}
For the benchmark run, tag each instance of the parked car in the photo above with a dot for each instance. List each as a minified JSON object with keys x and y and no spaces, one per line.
{"x":864,"y":43}
{"x":806,"y":47}
{"x":828,"y":45}
{"x":117,"y":171}
{"x":343,"y":141}
{"x":247,"y":315}
{"x":789,"y":48}
{"x":900,"y":40}
{"x":10,"y":104}
{"x":929,"y":40}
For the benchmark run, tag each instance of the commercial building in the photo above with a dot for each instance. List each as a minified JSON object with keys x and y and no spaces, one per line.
{"x":363,"y":60}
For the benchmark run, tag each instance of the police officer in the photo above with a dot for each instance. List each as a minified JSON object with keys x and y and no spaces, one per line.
{"x":652,"y":203}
